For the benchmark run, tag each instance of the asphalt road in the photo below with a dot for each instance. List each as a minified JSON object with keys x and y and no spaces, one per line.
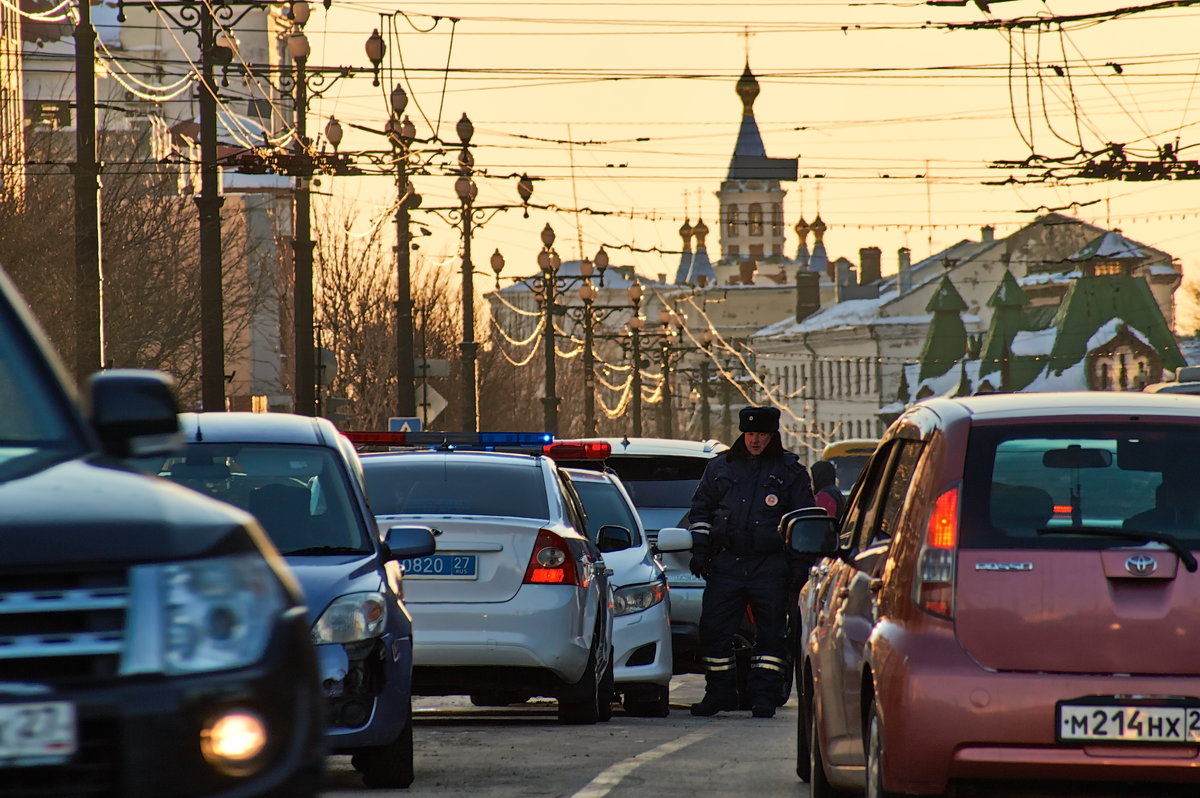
{"x":524,"y":751}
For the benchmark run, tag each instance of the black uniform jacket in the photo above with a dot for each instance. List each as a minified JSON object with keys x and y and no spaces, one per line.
{"x":740,"y":500}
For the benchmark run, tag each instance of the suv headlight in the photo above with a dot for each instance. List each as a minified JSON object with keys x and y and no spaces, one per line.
{"x":352,"y":617}
{"x":636,"y":598}
{"x":202,"y":615}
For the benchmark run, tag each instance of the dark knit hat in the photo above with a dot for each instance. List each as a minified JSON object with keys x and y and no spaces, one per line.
{"x":758,"y":419}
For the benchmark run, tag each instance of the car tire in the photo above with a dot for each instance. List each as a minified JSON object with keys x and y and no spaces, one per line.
{"x":875,"y":757}
{"x":580,"y":702}
{"x":648,"y":701}
{"x":818,"y":782}
{"x":605,"y":693}
{"x":499,"y":698}
{"x":387,"y":766}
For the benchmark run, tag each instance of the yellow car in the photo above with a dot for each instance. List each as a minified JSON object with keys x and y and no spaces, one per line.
{"x":849,"y":456}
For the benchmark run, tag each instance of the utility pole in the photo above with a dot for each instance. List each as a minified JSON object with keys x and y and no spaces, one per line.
{"x":212,"y":308}
{"x":406,"y":400}
{"x":302,"y":244}
{"x":89,"y":330}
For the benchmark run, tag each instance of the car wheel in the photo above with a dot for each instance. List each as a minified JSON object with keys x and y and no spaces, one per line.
{"x":604,"y":695}
{"x":385,"y":766}
{"x":498,"y":699}
{"x":580,"y":703}
{"x":803,"y":729}
{"x":818,"y":782}
{"x":875,"y":758}
{"x":648,"y":701}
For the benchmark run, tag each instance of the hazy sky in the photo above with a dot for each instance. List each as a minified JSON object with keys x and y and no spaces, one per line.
{"x":894,"y":117}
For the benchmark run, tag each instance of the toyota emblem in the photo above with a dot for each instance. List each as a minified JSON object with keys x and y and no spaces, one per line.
{"x":1141,"y":565}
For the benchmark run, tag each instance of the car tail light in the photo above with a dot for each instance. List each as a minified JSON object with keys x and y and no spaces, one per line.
{"x":934,"y":583}
{"x":551,"y":563}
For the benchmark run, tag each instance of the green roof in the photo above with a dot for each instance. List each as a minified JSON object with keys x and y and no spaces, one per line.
{"x":946,"y":341}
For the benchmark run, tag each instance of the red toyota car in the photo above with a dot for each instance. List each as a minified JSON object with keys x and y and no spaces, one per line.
{"x":1012,"y":596}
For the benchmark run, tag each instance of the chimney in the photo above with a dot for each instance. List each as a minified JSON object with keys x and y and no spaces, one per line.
{"x":746,"y":269}
{"x":662,"y":277}
{"x":846,"y":278}
{"x":870,"y":265}
{"x":904,"y":277}
{"x":808,"y":294}
{"x":988,"y":234}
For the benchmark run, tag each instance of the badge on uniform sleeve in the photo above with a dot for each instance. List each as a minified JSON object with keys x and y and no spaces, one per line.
{"x":771,"y":500}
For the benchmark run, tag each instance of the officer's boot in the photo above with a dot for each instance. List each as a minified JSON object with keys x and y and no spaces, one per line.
{"x":720,"y":687}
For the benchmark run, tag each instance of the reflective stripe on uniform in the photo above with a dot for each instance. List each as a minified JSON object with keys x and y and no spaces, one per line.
{"x":768,"y":663}
{"x":718,"y":663}
{"x":700,"y":528}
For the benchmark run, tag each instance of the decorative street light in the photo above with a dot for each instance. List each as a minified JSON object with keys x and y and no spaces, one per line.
{"x":636,"y":323}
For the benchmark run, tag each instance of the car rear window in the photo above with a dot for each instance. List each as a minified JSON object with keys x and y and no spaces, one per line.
{"x":1061,"y":487}
{"x":438,"y":485}
{"x":661,"y":481}
{"x":605,"y":505}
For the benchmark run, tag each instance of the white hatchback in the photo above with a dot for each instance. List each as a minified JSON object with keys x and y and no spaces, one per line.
{"x":641,"y":606}
{"x":515,"y":602}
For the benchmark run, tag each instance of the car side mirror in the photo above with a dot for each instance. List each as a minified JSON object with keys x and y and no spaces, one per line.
{"x":613,"y":538}
{"x":812,"y":534}
{"x":409,"y":541}
{"x":673,"y":538}
{"x":134,"y":412}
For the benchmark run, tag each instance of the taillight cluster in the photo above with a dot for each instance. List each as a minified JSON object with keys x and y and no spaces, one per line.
{"x":934,"y":583}
{"x":551,"y":563}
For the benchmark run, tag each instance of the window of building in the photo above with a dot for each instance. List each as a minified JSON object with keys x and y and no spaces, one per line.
{"x":755,"y":216}
{"x":756,"y":250}
{"x":732,"y":222}
{"x":1108,"y":268}
{"x":776,"y":219}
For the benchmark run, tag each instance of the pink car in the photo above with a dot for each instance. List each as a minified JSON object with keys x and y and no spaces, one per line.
{"x":1012,"y":595}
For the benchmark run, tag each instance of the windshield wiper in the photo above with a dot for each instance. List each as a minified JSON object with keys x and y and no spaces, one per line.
{"x":326,"y":550}
{"x":1172,"y":542}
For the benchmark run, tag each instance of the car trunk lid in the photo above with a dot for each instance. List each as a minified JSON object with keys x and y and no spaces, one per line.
{"x":478,"y":558}
{"x":1078,"y":611}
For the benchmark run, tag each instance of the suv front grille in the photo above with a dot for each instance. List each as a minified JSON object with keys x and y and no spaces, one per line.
{"x":62,"y":628}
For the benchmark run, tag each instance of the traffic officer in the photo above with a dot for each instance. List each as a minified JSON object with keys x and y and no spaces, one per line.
{"x":737,"y":548}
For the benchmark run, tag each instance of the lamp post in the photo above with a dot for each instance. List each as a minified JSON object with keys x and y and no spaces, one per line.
{"x":706,"y":339}
{"x":548,"y":263}
{"x":466,"y":190}
{"x":89,"y":325}
{"x":304,"y":358}
{"x":636,"y":323}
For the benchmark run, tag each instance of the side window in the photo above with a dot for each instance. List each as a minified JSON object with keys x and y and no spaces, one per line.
{"x":865,"y":493}
{"x":902,"y":466}
{"x":574,"y":505}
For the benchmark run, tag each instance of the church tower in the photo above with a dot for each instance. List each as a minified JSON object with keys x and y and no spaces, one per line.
{"x":751,"y":199}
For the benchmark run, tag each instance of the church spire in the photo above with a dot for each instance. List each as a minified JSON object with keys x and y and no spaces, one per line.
{"x":685,"y":259}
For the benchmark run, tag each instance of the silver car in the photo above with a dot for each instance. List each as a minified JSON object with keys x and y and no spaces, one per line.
{"x":515,"y":602}
{"x":642,"y":621}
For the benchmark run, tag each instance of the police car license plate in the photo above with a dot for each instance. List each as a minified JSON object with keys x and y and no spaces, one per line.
{"x":37,"y":733}
{"x":440,"y":566}
{"x":1128,"y":723}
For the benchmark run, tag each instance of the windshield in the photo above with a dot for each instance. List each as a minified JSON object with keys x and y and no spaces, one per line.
{"x":298,"y":493}
{"x":604,"y":505}
{"x":1022,"y":481}
{"x":663,"y":481}
{"x":421,"y":484}
{"x":33,"y":432}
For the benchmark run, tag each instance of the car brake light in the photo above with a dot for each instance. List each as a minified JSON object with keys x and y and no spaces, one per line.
{"x":578,"y":450}
{"x":551,"y":563}
{"x":934,"y":583}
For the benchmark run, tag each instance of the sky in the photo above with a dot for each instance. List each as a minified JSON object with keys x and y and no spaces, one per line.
{"x":626,"y":112}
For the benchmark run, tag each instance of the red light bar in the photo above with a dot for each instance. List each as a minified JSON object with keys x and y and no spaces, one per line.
{"x":363,"y":438}
{"x":578,"y":450}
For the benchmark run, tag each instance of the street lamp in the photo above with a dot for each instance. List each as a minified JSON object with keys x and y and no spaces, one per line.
{"x":401,"y":133}
{"x":304,"y":359}
{"x":636,"y":323}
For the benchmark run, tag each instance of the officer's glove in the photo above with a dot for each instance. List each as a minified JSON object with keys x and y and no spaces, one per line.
{"x":699,"y":563}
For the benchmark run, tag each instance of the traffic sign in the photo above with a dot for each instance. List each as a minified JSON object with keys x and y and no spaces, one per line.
{"x":404,"y":424}
{"x":429,"y":367}
{"x":430,"y":403}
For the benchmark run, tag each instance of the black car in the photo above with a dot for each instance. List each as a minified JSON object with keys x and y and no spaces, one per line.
{"x":152,"y":641}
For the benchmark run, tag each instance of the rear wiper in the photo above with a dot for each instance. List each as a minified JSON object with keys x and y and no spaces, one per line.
{"x":326,"y":550}
{"x":1172,"y":542}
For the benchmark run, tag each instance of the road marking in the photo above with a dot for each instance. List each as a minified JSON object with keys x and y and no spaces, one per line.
{"x":609,"y":778}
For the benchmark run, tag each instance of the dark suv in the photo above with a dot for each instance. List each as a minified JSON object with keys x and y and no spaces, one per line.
{"x":152,"y":642}
{"x":1014,"y":597}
